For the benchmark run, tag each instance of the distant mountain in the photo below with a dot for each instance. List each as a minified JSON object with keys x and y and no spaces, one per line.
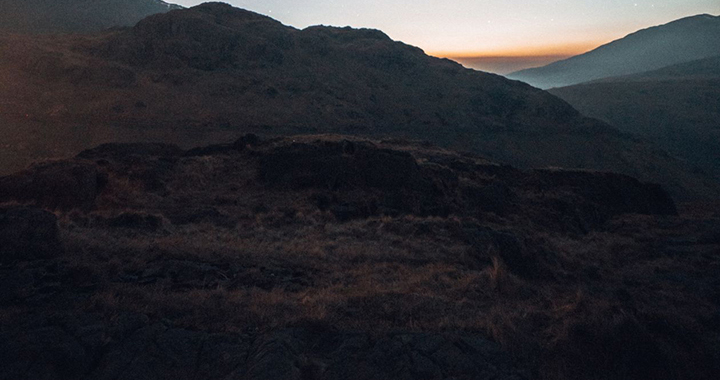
{"x":677,"y":107}
{"x":680,"y":41}
{"x":75,"y":16}
{"x":706,"y":68}
{"x":207,"y":73}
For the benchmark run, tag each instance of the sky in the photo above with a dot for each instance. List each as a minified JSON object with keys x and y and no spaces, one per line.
{"x":495,"y":35}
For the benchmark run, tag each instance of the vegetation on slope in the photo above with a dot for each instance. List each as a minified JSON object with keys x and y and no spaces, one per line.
{"x":677,"y":108}
{"x":325,"y":257}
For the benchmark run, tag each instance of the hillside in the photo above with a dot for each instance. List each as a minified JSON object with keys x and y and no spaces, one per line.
{"x":677,"y":108}
{"x":683,"y":40}
{"x":200,"y":75}
{"x":332,"y":257}
{"x":74,"y":16}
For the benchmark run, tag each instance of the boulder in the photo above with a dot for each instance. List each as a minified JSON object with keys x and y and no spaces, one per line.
{"x":43,"y":353}
{"x":339,"y":165}
{"x":613,"y":193}
{"x":28,"y":233}
{"x":119,"y":152}
{"x":63,"y":185}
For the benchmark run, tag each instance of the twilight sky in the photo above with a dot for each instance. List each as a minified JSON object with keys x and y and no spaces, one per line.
{"x":487,"y":34}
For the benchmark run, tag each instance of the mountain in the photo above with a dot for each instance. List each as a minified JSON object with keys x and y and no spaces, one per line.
{"x":676,"y":107}
{"x":333,"y":257}
{"x":75,"y":16}
{"x":683,"y":40}
{"x":207,"y":73}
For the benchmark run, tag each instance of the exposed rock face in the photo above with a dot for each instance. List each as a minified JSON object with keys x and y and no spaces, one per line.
{"x":157,"y":352}
{"x":125,"y":152}
{"x":27,"y":234}
{"x":352,"y":179}
{"x":617,"y":193}
{"x":342,"y":165}
{"x":56,"y":185}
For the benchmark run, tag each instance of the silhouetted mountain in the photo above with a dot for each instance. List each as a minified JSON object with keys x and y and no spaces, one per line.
{"x":205,"y":73}
{"x":683,"y":40}
{"x":75,"y":16}
{"x":331,"y":257}
{"x":676,"y":107}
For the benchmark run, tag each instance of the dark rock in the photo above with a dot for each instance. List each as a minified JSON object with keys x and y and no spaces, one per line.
{"x":158,"y":352}
{"x":120,"y":152}
{"x":496,"y":197}
{"x":333,"y":165}
{"x":190,"y":215}
{"x":275,"y":358}
{"x":27,"y":234}
{"x":14,"y":285}
{"x":45,"y":353}
{"x":57,"y":185}
{"x":184,"y":274}
{"x":137,"y":221}
{"x":249,"y":139}
{"x":613,"y":193}
{"x":359,"y":179}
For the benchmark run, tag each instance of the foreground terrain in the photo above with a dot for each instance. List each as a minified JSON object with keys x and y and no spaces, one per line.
{"x":328,"y":257}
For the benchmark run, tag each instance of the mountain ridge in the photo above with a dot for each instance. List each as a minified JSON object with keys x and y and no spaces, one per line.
{"x":643,"y":50}
{"x":202,"y":74}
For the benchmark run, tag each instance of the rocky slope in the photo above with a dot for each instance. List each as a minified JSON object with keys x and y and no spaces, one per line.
{"x":75,"y":16}
{"x":683,"y":40}
{"x":676,"y":107}
{"x":327,"y":257}
{"x":199,"y":75}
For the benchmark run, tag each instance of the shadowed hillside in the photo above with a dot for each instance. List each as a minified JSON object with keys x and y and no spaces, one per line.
{"x":197,"y":75}
{"x":680,"y":41}
{"x":677,"y":108}
{"x":329,"y":257}
{"x":74,"y":16}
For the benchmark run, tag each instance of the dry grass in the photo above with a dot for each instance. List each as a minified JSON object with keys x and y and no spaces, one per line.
{"x":267,"y":259}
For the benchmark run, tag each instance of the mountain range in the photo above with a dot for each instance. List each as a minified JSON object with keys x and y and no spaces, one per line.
{"x":203,"y":74}
{"x":683,"y":40}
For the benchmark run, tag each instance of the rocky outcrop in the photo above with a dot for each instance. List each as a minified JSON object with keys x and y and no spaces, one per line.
{"x":28,"y":233}
{"x":332,"y":257}
{"x":60,"y":185}
{"x":136,"y":349}
{"x":617,"y":193}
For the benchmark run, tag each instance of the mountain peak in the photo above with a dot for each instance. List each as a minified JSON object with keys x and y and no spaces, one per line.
{"x":226,"y":10}
{"x":682,"y":40}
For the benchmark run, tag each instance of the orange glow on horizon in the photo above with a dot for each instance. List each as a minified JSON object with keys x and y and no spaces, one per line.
{"x":536,"y":51}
